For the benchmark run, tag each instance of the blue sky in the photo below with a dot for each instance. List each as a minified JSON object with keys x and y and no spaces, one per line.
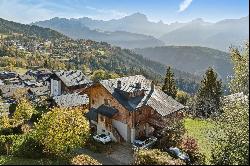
{"x":27,"y":11}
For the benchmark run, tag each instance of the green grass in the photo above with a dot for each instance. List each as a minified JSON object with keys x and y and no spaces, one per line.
{"x":16,"y":69}
{"x":199,"y":129}
{"x":10,"y":160}
{"x":20,"y":70}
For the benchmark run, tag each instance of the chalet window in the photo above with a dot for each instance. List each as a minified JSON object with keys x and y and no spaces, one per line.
{"x":152,"y":112}
{"x":101,"y":118}
{"x":107,"y":101}
{"x":140,"y":112}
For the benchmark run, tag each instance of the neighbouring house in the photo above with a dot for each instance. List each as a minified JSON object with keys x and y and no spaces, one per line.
{"x":7,"y":96}
{"x":8,"y":91}
{"x":71,"y":100}
{"x":129,"y":108}
{"x":12,"y":81}
{"x":1,"y":82}
{"x":62,"y":82}
{"x":7,"y":75}
{"x":36,"y":93}
{"x":4,"y":108}
{"x":27,"y":80}
{"x":40,"y":74}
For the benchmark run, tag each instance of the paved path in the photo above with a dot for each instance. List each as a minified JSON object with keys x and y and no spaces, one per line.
{"x":121,"y":155}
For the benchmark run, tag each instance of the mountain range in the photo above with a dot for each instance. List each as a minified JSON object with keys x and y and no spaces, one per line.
{"x":136,"y":31}
{"x":76,"y":29}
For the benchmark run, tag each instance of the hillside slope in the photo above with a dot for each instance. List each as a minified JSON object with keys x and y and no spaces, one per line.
{"x":191,"y":59}
{"x":9,"y":27}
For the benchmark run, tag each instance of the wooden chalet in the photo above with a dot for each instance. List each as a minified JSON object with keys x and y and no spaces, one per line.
{"x":130,"y":107}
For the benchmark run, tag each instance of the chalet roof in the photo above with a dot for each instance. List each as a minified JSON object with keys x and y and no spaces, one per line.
{"x":26,"y":77}
{"x":73,"y":77}
{"x":39,"y":72}
{"x":107,"y":110}
{"x":40,"y":91}
{"x":92,"y":114}
{"x":8,"y":90}
{"x":71,"y":100}
{"x":154,"y":97}
{"x":6,"y":75}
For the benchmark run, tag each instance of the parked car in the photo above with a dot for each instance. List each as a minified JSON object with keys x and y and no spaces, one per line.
{"x":147,"y":143}
{"x":103,"y":138}
{"x":177,"y":153}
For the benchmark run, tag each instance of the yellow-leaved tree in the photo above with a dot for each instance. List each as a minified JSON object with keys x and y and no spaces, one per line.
{"x":24,"y":111}
{"x":62,"y":129}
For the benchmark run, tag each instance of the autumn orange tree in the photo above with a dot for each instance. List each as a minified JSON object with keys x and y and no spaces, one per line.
{"x":62,"y":129}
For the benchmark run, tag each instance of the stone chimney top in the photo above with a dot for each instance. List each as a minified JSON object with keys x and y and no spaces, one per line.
{"x":152,"y":86}
{"x":138,"y":85}
{"x":119,"y":84}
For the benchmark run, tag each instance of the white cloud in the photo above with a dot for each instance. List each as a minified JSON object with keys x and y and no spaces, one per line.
{"x":184,"y":5}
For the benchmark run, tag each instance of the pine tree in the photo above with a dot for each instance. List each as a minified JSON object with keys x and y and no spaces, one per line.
{"x":169,"y":86}
{"x":209,"y":94}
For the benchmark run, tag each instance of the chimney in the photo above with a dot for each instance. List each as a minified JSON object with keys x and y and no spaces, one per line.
{"x":119,"y":84}
{"x":138,"y":85}
{"x":152,"y":86}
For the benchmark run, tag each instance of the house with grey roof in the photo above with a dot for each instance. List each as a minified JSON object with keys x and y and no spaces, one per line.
{"x":71,"y":100}
{"x":131,"y":107}
{"x":36,"y":92}
{"x":63,"y":82}
{"x":1,"y":82}
{"x":8,"y":91}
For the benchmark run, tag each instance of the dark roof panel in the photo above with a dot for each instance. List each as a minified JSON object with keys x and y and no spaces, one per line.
{"x":107,"y":111}
{"x":92,"y":114}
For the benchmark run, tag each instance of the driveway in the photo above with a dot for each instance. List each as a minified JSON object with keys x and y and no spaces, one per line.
{"x":121,"y":154}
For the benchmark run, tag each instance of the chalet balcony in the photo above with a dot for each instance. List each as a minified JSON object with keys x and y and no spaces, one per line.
{"x":157,"y":123}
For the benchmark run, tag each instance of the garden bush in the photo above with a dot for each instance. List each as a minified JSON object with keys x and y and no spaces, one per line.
{"x":20,"y":145}
{"x":84,"y":160}
{"x":155,"y":157}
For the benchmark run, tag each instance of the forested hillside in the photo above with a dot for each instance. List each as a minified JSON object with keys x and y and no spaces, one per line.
{"x":192,"y":59}
{"x":9,"y":27}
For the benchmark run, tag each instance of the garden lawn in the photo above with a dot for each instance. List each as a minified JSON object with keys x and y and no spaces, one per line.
{"x":199,"y":129}
{"x":10,"y":160}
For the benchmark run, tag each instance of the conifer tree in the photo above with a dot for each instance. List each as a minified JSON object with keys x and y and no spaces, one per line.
{"x":169,"y":86}
{"x":209,"y":94}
